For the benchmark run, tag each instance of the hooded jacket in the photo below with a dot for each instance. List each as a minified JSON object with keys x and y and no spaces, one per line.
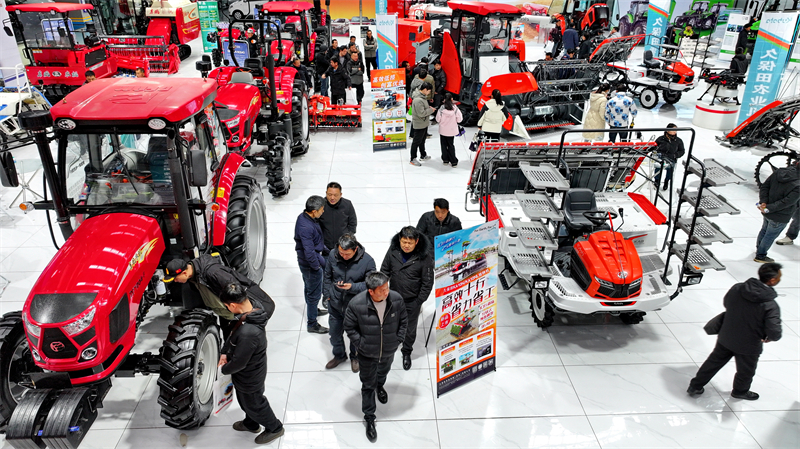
{"x":338,"y":219}
{"x":372,"y":338}
{"x":370,"y":47}
{"x":412,"y":279}
{"x":751,"y":315}
{"x":247,"y":351}
{"x":493,"y":116}
{"x":594,"y":118}
{"x":671,"y":148}
{"x":448,"y":121}
{"x":340,"y":80}
{"x":421,"y":111}
{"x":308,"y":243}
{"x":430,"y":226}
{"x":352,"y":271}
{"x":781,"y":192}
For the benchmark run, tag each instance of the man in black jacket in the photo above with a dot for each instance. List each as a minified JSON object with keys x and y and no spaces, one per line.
{"x":670,"y":148}
{"x":752,"y":318}
{"x":339,"y":217}
{"x":339,"y":81}
{"x":440,"y":81}
{"x":376,"y":324}
{"x":437,"y":222}
{"x":409,"y":265}
{"x":311,"y":253}
{"x":209,"y":277}
{"x":345,"y":271}
{"x":302,"y":71}
{"x":778,"y":198}
{"x":244,"y":357}
{"x":323,"y":64}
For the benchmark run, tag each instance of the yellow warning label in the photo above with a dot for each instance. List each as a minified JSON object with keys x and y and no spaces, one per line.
{"x":220,"y":192}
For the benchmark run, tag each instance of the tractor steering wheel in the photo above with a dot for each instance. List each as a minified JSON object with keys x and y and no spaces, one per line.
{"x":598,"y":217}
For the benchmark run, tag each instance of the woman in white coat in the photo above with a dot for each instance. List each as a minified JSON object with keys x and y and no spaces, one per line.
{"x":494,"y":113}
{"x":595,"y":117}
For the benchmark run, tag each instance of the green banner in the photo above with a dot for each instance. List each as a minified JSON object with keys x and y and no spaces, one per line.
{"x":209,"y":17}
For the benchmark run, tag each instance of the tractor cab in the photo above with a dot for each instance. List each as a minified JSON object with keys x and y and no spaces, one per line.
{"x":596,"y":17}
{"x":297,"y":34}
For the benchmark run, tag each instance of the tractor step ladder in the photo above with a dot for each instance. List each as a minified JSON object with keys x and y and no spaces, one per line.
{"x":711,"y":204}
{"x":538,"y":205}
{"x":699,"y":260}
{"x":705,"y":232}
{"x":716,"y":173}
{"x":544,"y":176}
{"x":526,"y":262}
{"x":534,"y":234}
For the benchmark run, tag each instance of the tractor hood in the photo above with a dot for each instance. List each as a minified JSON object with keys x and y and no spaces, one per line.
{"x":610,"y":259}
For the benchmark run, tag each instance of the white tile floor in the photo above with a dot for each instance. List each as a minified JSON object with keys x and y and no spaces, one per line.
{"x":594,"y":383}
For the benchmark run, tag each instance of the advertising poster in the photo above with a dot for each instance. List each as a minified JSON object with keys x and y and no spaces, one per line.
{"x":657,"y":20}
{"x":703,"y":16}
{"x":240,"y":49}
{"x":735,"y":24}
{"x":388,"y":109}
{"x":387,"y":41}
{"x":345,"y":12}
{"x":465,"y":276}
{"x":770,"y":56}
{"x":209,"y":17}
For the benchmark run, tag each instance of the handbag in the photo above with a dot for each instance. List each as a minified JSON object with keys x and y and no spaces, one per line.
{"x":461,"y":131}
{"x":714,"y":324}
{"x":223,"y":392}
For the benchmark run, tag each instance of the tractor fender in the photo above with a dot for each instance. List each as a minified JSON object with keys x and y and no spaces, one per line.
{"x":509,"y":84}
{"x":284,"y":85}
{"x":222,"y":194}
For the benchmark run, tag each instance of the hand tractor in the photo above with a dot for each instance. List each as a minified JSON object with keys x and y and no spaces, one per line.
{"x":160,"y":184}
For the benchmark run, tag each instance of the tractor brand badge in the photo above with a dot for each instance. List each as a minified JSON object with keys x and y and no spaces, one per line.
{"x":622,"y":274}
{"x":56,"y":346}
{"x":140,"y":255}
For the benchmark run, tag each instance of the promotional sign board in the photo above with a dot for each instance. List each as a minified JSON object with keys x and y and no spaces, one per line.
{"x":387,"y":41}
{"x":465,"y":276}
{"x":735,"y":24}
{"x":388,"y":109}
{"x":240,"y":49}
{"x":776,"y":35}
{"x":209,"y":17}
{"x":380,"y":6}
{"x":657,"y":20}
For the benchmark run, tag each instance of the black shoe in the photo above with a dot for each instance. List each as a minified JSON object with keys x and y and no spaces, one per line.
{"x":322,"y":312}
{"x":267,"y":436}
{"x":454,"y":164}
{"x":383,"y":396}
{"x":695,"y":391}
{"x":747,"y":396}
{"x":317,"y":329}
{"x":406,"y":362}
{"x":372,"y":433}
{"x":240,"y":427}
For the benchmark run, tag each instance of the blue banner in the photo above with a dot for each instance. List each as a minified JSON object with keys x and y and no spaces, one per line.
{"x":387,"y":41}
{"x":657,"y":22}
{"x":380,"y":6}
{"x":240,"y":49}
{"x":770,"y":56}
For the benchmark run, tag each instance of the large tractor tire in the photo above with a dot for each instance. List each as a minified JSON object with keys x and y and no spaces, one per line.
{"x":648,"y":98}
{"x":671,"y":97}
{"x":245,"y":246}
{"x":773,"y":161}
{"x":188,"y":369}
{"x":624,"y":26}
{"x":15,"y":360}
{"x":279,"y":165}
{"x":301,"y":127}
{"x":469,"y":115}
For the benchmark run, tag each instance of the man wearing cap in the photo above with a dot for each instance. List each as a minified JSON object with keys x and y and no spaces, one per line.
{"x":209,"y":277}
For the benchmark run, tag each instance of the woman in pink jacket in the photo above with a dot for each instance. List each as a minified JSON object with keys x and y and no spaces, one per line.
{"x":449,"y":116}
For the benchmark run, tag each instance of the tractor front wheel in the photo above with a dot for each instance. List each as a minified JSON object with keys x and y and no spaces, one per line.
{"x":671,"y":97}
{"x":245,"y":246}
{"x":648,"y":98}
{"x":279,"y":165}
{"x":301,"y":129}
{"x":188,"y":369}
{"x":15,"y":362}
{"x":632,"y":317}
{"x":543,"y":313}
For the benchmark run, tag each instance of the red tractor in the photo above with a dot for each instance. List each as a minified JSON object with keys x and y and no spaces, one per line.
{"x":160,"y":184}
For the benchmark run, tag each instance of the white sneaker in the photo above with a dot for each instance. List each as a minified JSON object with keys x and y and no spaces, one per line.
{"x":785,"y":241}
{"x":415,"y":163}
{"x":426,"y":158}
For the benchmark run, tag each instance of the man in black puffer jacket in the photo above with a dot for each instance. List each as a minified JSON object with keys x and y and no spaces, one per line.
{"x":438,"y":221}
{"x":752,"y":318}
{"x":671,"y":148}
{"x":339,"y":217}
{"x":778,"y":198}
{"x":376,"y":324}
{"x":345,"y":271}
{"x":409,"y":266}
{"x":244,"y":357}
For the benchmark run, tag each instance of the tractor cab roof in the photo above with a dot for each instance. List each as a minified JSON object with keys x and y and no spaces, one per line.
{"x":47,"y":7}
{"x":484,"y":8}
{"x":286,"y":7}
{"x":127,"y":100}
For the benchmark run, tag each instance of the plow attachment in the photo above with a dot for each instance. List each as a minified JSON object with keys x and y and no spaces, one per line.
{"x":327,"y":115}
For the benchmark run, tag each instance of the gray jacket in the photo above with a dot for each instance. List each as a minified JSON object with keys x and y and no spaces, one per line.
{"x":356,"y":71}
{"x":370,"y":47}
{"x":420,"y":116}
{"x":416,"y":83}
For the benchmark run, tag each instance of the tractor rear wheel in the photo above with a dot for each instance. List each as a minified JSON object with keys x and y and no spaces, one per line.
{"x":15,"y":361}
{"x":632,"y":317}
{"x":671,"y":97}
{"x":542,"y":313}
{"x":184,"y":51}
{"x":188,"y":369}
{"x":624,"y":26}
{"x":279,"y":165}
{"x":301,"y":129}
{"x":648,"y":98}
{"x":245,"y":246}
{"x":469,"y":117}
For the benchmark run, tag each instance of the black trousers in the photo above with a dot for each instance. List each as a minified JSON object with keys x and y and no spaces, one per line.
{"x":418,"y":142}
{"x":492,"y":137}
{"x":448,"y":149}
{"x":257,"y":411}
{"x":359,"y":92}
{"x":335,"y":97}
{"x":719,"y":357}
{"x":412,"y":309}
{"x":623,"y":137}
{"x":372,"y":372}
{"x":370,"y":62}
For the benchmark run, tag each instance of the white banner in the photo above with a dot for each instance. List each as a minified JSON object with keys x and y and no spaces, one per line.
{"x":735,"y":24}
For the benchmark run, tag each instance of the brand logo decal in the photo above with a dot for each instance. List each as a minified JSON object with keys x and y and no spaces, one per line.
{"x":56,"y":346}
{"x":140,"y":256}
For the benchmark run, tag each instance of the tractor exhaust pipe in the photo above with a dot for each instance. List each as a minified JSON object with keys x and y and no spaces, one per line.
{"x":273,"y":105}
{"x":36,"y":123}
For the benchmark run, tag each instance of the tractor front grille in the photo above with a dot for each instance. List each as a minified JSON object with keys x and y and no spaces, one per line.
{"x":56,"y":345}
{"x":619,"y":290}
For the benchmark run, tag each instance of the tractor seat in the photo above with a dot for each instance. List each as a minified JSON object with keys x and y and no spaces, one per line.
{"x":256,"y":66}
{"x":242,"y":78}
{"x":649,"y":62}
{"x":576,"y":202}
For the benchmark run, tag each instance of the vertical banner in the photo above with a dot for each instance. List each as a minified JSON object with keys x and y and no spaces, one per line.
{"x":465,"y":276}
{"x":387,"y":41}
{"x":209,"y":17}
{"x":388,"y":109}
{"x":657,"y":20}
{"x":770,"y":56}
{"x":381,"y":7}
{"x":735,"y":24}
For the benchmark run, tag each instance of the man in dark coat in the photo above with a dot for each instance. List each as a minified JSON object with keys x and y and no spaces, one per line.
{"x":743,"y":39}
{"x":752,"y":318}
{"x":339,"y":81}
{"x":244,"y":357}
{"x":311,"y":253}
{"x":671,"y":148}
{"x":339,"y":217}
{"x":370,"y":52}
{"x":440,"y":81}
{"x":409,"y":265}
{"x":778,"y":197}
{"x":345,"y":272}
{"x":376,"y":324}
{"x":302,"y":71}
{"x":437,"y":222}
{"x":323,"y":64}
{"x":355,"y":68}
{"x":570,"y":39}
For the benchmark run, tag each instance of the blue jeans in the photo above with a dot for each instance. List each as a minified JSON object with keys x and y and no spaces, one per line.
{"x":324,"y":86}
{"x":336,"y":332}
{"x":669,"y":167}
{"x":312,"y":289}
{"x":794,"y":227}
{"x":770,"y":230}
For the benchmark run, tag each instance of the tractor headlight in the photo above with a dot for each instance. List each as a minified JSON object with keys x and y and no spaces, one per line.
{"x":636,"y":283}
{"x":36,"y":355}
{"x":543,"y":110}
{"x":156,"y":124}
{"x":80,"y":324}
{"x":30,"y":327}
{"x":89,"y":353}
{"x":232,"y":122}
{"x":604,"y":282}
